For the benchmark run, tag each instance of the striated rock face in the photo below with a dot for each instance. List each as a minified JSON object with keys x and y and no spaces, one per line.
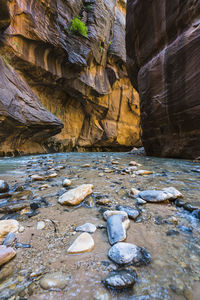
{"x":82,"y":81}
{"x":163,"y":46}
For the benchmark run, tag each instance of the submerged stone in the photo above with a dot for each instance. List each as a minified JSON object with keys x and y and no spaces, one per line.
{"x":87,"y":227}
{"x":132,"y":213}
{"x":76,"y":195}
{"x":83,"y":243}
{"x":116,"y":230}
{"x":55,"y":280}
{"x":125,"y":253}
{"x":120,"y":279}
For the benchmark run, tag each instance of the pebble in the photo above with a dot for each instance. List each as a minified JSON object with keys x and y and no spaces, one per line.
{"x":6,"y":254}
{"x":7,"y":226}
{"x":109,"y":213}
{"x":140,"y":201}
{"x":40,"y":225}
{"x":83,"y":243}
{"x":85,"y":166}
{"x":103,"y":201}
{"x":155,"y":196}
{"x":55,"y":280}
{"x":172,"y":232}
{"x":116,"y":230}
{"x":133,"y":163}
{"x":125,"y":253}
{"x":53,"y":175}
{"x":76,"y":195}
{"x":4,"y":187}
{"x":132,"y":213}
{"x":66,"y":182}
{"x":143,"y":172}
{"x":87,"y":227}
{"x":134,"y":191}
{"x":120,"y":279}
{"x":37,"y":177}
{"x":9,"y":239}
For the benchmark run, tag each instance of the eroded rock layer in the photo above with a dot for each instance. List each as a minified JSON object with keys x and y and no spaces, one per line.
{"x":81,"y":80}
{"x":163,"y":46}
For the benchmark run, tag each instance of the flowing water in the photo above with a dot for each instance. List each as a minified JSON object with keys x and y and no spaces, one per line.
{"x":174,"y":271}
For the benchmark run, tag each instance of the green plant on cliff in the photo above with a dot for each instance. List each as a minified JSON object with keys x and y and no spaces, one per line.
{"x":78,"y":27}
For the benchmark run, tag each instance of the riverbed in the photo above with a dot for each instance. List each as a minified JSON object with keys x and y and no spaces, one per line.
{"x":174,"y":271}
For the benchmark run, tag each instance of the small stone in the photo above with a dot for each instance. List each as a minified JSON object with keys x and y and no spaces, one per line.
{"x":103,"y":201}
{"x":53,"y":175}
{"x":6,"y":254}
{"x":40,"y":225}
{"x":125,"y":253}
{"x":143,"y":172}
{"x":101,"y":174}
{"x":116,"y":230}
{"x":55,"y":280}
{"x":132,"y":163}
{"x":120,"y":279}
{"x":21,"y":229}
{"x":174,"y":192}
{"x":37,"y":177}
{"x":155,"y":196}
{"x":7,"y":226}
{"x":66,"y":182}
{"x":4,"y":187}
{"x":132,"y":213}
{"x":115,"y":162}
{"x":83,"y":243}
{"x":75,"y":196}
{"x":109,"y":213}
{"x":9,"y":239}
{"x":21,"y":245}
{"x":87,"y":227}
{"x":44,"y":186}
{"x":134,"y":191}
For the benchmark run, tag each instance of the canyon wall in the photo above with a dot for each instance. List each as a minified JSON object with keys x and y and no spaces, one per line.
{"x":163,"y":46}
{"x":81,"y":81}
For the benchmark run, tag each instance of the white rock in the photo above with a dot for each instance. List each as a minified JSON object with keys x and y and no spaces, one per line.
{"x":109,"y":213}
{"x":66,"y":182}
{"x":83,"y":243}
{"x":87,"y":227}
{"x":134,"y":191}
{"x":174,"y":192}
{"x":75,"y":196}
{"x":40,"y":225}
{"x":7,"y":226}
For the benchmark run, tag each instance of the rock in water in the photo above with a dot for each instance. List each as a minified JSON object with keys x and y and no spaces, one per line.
{"x":55,"y":280}
{"x":3,"y":186}
{"x":120,"y":279}
{"x":75,"y":196}
{"x":116,"y":230}
{"x":132,"y":213}
{"x":109,"y":213}
{"x":155,"y":196}
{"x":6,"y":254}
{"x":83,"y":243}
{"x":125,"y":253}
{"x":66,"y":182}
{"x":87,"y":227}
{"x":7,"y":226}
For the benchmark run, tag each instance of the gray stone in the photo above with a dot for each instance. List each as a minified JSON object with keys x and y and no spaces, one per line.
{"x":116,"y":230}
{"x":120,"y":279}
{"x":125,"y":253}
{"x":132,"y":213}
{"x":9,"y":239}
{"x":155,"y":196}
{"x":87,"y":227}
{"x":55,"y":280}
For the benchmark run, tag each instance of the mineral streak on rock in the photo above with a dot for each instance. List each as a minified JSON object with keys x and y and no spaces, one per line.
{"x":83,"y":81}
{"x":163,"y":45}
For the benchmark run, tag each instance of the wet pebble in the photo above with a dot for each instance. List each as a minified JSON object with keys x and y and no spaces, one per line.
{"x":66,"y":182}
{"x":132,"y":213}
{"x":37,"y":177}
{"x":120,"y":279}
{"x":8,"y":226}
{"x":116,"y":230}
{"x":40,"y":225}
{"x":57,"y":280}
{"x":77,"y":195}
{"x":83,"y":243}
{"x":126,"y":253}
{"x":4,"y":187}
{"x":87,"y":227}
{"x":172,"y":232}
{"x":21,"y":245}
{"x":109,"y":213}
{"x":9,"y":239}
{"x":155,"y":196}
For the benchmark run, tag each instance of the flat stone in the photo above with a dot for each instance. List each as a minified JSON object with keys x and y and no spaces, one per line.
{"x":132,"y":213}
{"x":53,"y":175}
{"x":75,"y":196}
{"x":109,"y":213}
{"x":116,"y":230}
{"x":7,"y":226}
{"x":83,"y":243}
{"x":87,"y":227}
{"x":174,"y":192}
{"x":140,"y":201}
{"x":4,"y":187}
{"x":132,"y":163}
{"x":37,"y":177}
{"x":120,"y":279}
{"x":66,"y":182}
{"x":125,"y":253}
{"x":103,"y":201}
{"x":9,"y":239}
{"x":155,"y":196}
{"x":55,"y":280}
{"x":6,"y":254}
{"x":143,"y":172}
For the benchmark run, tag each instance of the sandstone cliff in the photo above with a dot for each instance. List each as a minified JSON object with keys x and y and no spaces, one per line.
{"x":81,"y":80}
{"x":163,"y":46}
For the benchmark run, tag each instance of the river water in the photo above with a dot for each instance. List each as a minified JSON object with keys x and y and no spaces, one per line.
{"x":174,"y":271}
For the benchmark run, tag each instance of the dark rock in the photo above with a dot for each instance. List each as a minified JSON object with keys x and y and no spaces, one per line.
{"x":14,"y":206}
{"x":125,"y":253}
{"x":120,"y":279}
{"x":185,"y":229}
{"x":172,"y":232}
{"x":115,"y":229}
{"x":4,"y":187}
{"x":179,"y":203}
{"x":131,"y":212}
{"x":162,"y":42}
